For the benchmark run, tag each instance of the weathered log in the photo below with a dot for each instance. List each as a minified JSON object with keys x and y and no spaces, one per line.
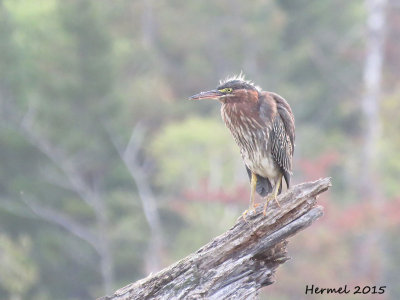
{"x":236,"y":264}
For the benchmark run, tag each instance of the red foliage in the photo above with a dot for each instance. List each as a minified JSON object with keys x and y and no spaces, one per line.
{"x":362,"y":215}
{"x":319,"y":166}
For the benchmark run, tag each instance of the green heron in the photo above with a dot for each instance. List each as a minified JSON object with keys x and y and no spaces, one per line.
{"x":262,"y":124}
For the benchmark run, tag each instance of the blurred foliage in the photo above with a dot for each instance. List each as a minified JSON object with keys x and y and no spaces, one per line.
{"x":209,"y":153}
{"x":21,"y":272}
{"x":201,"y":223}
{"x":390,"y":146}
{"x":79,"y":77}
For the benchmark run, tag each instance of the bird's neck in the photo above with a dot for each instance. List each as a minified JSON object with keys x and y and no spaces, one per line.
{"x":237,"y":114}
{"x":258,"y":107}
{"x":244,"y":102}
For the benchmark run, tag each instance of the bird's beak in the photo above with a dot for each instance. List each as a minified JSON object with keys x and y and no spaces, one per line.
{"x":213,"y":94}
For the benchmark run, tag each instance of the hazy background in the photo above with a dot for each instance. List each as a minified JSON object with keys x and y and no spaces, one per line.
{"x":108,"y":172}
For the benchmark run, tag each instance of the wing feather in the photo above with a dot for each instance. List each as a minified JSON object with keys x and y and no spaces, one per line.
{"x":282,"y":136}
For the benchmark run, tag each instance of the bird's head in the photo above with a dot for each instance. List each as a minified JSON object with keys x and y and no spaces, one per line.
{"x":233,"y":89}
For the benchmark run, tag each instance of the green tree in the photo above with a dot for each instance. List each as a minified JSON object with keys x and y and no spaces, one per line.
{"x":18,"y":271}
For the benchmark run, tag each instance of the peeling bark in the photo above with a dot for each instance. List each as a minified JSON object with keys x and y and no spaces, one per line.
{"x":236,"y":264}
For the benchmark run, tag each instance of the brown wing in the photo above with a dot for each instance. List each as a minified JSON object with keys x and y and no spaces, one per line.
{"x":282,"y":136}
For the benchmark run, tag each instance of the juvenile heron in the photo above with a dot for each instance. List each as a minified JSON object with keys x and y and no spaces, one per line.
{"x":262,"y":124}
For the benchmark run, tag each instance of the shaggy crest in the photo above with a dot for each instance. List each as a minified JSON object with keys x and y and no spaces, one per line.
{"x":239,"y":77}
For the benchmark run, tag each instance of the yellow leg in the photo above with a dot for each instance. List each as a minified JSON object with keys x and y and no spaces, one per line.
{"x":253,"y":191}
{"x":273,"y":195}
{"x":252,"y":205}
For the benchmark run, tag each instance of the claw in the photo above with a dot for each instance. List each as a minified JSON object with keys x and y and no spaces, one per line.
{"x":277,"y":202}
{"x":244,"y":215}
{"x":251,"y":209}
{"x":273,"y":195}
{"x":269,"y":198}
{"x":266,"y":205}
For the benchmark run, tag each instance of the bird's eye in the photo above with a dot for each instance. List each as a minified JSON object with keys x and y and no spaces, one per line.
{"x":226,"y":90}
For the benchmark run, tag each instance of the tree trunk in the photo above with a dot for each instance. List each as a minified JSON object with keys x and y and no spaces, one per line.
{"x":375,"y":37}
{"x":370,"y":187}
{"x":236,"y":264}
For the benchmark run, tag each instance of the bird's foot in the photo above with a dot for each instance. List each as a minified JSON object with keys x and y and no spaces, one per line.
{"x":267,"y":200}
{"x":266,"y":206}
{"x":252,"y":209}
{"x":244,"y":215}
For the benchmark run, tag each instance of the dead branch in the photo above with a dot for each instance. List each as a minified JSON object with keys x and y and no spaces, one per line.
{"x":65,"y":221}
{"x":130,"y":157}
{"x":236,"y":264}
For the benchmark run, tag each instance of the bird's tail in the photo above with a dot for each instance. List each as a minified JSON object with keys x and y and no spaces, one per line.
{"x":263,"y":187}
